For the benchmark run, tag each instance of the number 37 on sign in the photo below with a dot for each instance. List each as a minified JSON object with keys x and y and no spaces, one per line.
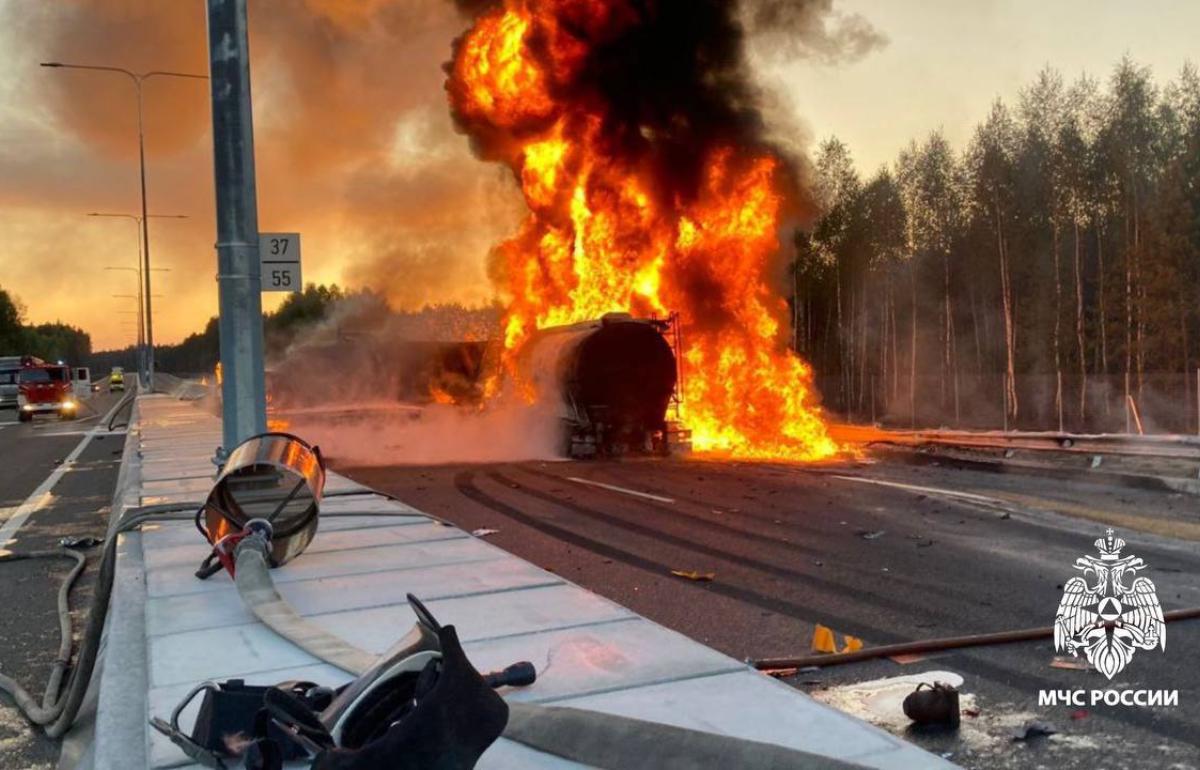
{"x":279,"y":257}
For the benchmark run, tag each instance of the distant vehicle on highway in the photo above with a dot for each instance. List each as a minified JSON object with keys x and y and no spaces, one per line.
{"x":44,"y":388}
{"x":82,"y":382}
{"x":9,"y":366}
{"x":116,"y":380}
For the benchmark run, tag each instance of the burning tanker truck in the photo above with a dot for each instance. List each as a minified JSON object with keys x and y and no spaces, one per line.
{"x":647,"y":194}
{"x":614,"y":382}
{"x":611,"y":383}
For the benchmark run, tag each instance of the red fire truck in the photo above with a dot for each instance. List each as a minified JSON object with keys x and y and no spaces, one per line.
{"x":43,"y":388}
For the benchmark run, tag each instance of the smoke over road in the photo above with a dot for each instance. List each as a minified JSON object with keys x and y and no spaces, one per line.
{"x":355,"y":149}
{"x":354,"y":144}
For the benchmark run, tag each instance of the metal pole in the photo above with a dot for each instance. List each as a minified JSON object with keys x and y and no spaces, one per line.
{"x":142,"y":283}
{"x":242,"y":389}
{"x":145,"y":256}
{"x":1006,"y":403}
{"x":141,"y":339}
{"x":148,"y":318}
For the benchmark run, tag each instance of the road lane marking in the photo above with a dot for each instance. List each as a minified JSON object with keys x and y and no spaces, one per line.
{"x":56,"y":434}
{"x":622,"y":490}
{"x":1014,"y":502}
{"x":41,"y":497}
{"x":924,"y":490}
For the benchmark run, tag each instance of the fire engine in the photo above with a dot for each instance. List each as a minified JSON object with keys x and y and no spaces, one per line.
{"x":44,"y":387}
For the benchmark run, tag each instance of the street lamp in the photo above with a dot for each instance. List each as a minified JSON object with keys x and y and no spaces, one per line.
{"x":138,"y":79}
{"x":138,"y":323}
{"x":141,"y":336}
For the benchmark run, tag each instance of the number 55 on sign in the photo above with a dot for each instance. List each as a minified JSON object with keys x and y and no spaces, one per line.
{"x":279,"y":255}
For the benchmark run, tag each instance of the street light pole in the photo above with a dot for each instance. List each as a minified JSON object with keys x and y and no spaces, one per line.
{"x":141,"y":334}
{"x":137,"y":297}
{"x":243,"y":393}
{"x":138,"y":79}
{"x":145,"y":291}
{"x":142,"y":285}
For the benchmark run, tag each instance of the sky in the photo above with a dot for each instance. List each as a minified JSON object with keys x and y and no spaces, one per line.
{"x":946,"y":61}
{"x":356,"y":149}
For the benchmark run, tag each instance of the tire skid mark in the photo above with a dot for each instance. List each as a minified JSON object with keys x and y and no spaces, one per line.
{"x":465,"y":484}
{"x":723,"y":529}
{"x":1156,"y":723}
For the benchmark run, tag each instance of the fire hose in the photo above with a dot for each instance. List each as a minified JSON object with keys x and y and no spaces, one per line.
{"x":250,"y":547}
{"x":251,"y":533}
{"x":51,"y":706}
{"x":254,"y":584}
{"x":126,"y":400}
{"x":55,"y":713}
{"x":57,"y":710}
{"x":592,"y":738}
{"x":570,"y":733}
{"x":60,"y":705}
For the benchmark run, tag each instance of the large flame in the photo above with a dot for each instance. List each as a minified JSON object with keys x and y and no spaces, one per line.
{"x":605,"y":233}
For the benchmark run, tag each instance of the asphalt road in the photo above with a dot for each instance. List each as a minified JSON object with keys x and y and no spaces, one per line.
{"x":77,"y":506}
{"x":857,"y":548}
{"x":886,"y":551}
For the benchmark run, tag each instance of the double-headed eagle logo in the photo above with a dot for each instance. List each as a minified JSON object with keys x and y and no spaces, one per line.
{"x":1102,"y":616}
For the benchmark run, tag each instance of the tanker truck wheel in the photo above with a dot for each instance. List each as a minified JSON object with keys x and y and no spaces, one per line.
{"x":562,"y":444}
{"x":576,"y":444}
{"x":25,"y":416}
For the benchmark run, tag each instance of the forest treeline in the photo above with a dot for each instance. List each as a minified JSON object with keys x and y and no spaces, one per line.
{"x":318,"y":315}
{"x":198,"y":353}
{"x":49,"y":341}
{"x":1047,"y":275}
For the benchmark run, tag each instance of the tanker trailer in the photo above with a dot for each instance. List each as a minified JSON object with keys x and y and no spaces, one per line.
{"x":615,"y":378}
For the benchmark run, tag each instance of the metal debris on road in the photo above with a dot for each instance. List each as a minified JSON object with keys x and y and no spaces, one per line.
{"x":870,"y":534}
{"x":700,"y":577}
{"x":1073,"y":664}
{"x":80,"y":542}
{"x":825,"y":640}
{"x":781,"y":673}
{"x":1033,"y":729}
{"x":484,"y":532}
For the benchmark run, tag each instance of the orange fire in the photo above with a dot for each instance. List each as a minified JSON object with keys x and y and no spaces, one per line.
{"x":604,"y":233}
{"x":440,"y":396}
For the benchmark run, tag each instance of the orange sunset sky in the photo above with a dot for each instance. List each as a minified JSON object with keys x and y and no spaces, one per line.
{"x":356,"y":149}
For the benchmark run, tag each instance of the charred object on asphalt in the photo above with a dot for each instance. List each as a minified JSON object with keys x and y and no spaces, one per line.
{"x":617,"y":379}
{"x":933,"y":705}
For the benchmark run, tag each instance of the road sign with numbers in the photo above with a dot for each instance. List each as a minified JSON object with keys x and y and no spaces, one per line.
{"x":279,"y":255}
